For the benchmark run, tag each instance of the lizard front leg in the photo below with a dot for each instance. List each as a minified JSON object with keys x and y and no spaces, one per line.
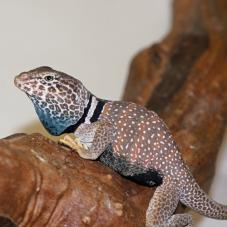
{"x":76,"y":145}
{"x":90,"y":140}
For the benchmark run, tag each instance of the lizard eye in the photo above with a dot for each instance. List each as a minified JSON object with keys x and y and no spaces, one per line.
{"x":49,"y":78}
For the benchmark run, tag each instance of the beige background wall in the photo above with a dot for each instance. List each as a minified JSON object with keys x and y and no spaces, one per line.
{"x":92,"y":40}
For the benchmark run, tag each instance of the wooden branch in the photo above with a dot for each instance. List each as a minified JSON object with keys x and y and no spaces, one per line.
{"x":42,"y":183}
{"x":183,"y":78}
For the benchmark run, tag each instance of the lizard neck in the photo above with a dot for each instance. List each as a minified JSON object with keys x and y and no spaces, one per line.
{"x":94,"y":110}
{"x":91,"y":113}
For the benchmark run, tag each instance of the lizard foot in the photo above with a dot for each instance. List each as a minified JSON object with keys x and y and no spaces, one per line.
{"x":79,"y":147}
{"x":73,"y":143}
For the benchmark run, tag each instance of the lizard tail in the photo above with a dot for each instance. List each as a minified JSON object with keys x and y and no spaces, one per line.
{"x":195,"y":198}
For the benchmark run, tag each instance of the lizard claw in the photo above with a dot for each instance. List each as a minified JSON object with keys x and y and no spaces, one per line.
{"x":73,"y":143}
{"x":77,"y":141}
{"x":81,"y":145}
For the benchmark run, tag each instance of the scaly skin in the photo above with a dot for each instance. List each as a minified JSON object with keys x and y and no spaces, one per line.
{"x":127,"y":137}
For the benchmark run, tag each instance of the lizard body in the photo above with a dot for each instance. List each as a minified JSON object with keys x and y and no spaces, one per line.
{"x":127,"y":137}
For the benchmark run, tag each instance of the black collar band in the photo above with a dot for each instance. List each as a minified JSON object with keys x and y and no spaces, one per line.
{"x":73,"y":128}
{"x":95,"y":116}
{"x":98,"y":110}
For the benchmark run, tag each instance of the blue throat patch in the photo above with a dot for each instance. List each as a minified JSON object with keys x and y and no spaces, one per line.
{"x":55,"y":125}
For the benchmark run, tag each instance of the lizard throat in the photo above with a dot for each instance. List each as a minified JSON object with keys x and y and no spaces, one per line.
{"x":91,"y":113}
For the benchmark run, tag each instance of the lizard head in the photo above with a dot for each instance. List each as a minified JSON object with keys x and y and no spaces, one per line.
{"x":58,"y":98}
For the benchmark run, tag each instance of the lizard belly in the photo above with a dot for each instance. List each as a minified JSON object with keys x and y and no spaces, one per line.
{"x":132,"y":171}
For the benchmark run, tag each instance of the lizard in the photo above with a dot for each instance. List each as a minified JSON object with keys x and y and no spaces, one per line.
{"x":130,"y":139}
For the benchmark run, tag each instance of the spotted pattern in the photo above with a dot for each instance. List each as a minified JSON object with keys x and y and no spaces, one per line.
{"x":95,"y":136}
{"x":58,"y":98}
{"x":126,"y":137}
{"x":142,"y":138}
{"x":194,"y":197}
{"x":163,"y":204}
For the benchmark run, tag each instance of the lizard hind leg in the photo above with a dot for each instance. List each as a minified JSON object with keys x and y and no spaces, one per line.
{"x":162,"y":206}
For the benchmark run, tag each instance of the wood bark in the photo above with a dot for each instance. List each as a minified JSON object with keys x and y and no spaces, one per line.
{"x":183,"y":78}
